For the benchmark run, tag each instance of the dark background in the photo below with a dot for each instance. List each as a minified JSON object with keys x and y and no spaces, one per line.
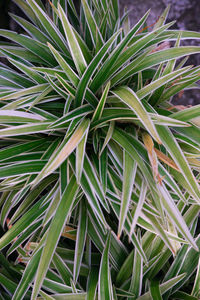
{"x":185,"y":12}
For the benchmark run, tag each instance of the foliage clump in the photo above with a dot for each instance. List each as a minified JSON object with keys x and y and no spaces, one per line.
{"x":99,"y":171}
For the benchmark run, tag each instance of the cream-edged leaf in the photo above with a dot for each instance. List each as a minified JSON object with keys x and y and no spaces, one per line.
{"x":65,"y":149}
{"x":128,"y":96}
{"x":74,"y":46}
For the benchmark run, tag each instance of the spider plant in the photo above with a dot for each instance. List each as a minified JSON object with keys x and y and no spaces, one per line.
{"x":99,"y":171}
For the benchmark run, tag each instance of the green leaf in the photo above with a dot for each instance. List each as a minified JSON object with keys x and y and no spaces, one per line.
{"x":74,"y":46}
{"x":192,"y":132}
{"x":21,"y":168}
{"x":48,"y":25}
{"x":62,"y":269}
{"x":25,"y":92}
{"x":175,"y":89}
{"x":14,"y":150}
{"x":8,"y":284}
{"x":65,"y":149}
{"x":39,"y":49}
{"x":139,"y":207}
{"x":183,"y":296}
{"x":23,"y":223}
{"x":75,"y":113}
{"x":196,"y":286}
{"x":128,"y":96}
{"x":52,"y":207}
{"x":80,"y":240}
{"x":32,"y":74}
{"x":115,"y":6}
{"x":14,"y":78}
{"x":65,"y":66}
{"x":84,"y":48}
{"x":7,"y":206}
{"x":76,"y":296}
{"x":175,"y":215}
{"x":105,"y":290}
{"x":129,"y":172}
{"x":28,"y":275}
{"x":24,"y":236}
{"x":108,"y":136}
{"x":163,"y":287}
{"x":80,"y":155}
{"x":153,"y":60}
{"x":160,"y":82}
{"x":187,"y":114}
{"x":94,"y":29}
{"x":14,"y":116}
{"x":46,"y":296}
{"x":90,"y":70}
{"x":186,"y":261}
{"x":185,"y":34}
{"x":24,"y":129}
{"x":56,"y":88}
{"x":133,"y":238}
{"x":100,"y":107}
{"x":137,"y":275}
{"x":162,"y":18}
{"x":90,"y":97}
{"x":176,"y":153}
{"x":155,"y":290}
{"x":54,"y":233}
{"x":27,"y":10}
{"x":138,"y":45}
{"x":92,"y":284}
{"x":93,"y":179}
{"x":21,"y":54}
{"x":70,"y":90}
{"x":158,"y":227}
{"x":31,"y":29}
{"x":104,"y":73}
{"x":121,"y":138}
{"x":89,"y":193}
{"x":103,"y":169}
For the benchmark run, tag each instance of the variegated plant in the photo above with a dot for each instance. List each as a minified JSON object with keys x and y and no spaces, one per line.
{"x":99,"y":171}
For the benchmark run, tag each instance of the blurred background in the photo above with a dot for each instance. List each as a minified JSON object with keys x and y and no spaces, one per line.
{"x":185,"y":12}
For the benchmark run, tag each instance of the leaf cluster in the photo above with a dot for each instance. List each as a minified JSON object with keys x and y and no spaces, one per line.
{"x":99,"y":172}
